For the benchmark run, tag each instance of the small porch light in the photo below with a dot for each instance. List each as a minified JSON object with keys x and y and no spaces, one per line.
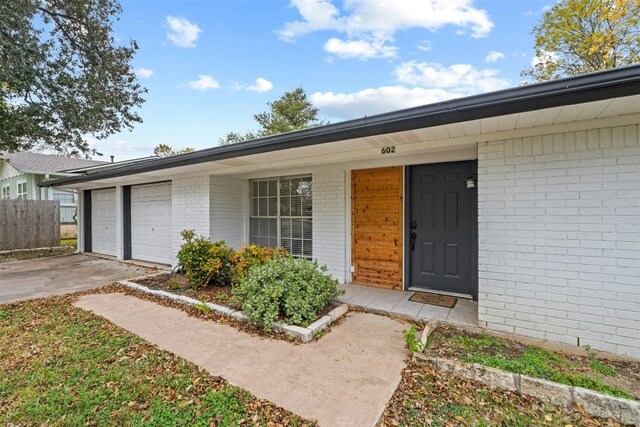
{"x":470,"y":182}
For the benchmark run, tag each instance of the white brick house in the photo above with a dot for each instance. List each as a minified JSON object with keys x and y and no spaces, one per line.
{"x":526,"y":200}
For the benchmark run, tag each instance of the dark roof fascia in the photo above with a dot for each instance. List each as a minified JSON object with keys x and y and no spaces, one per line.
{"x":574,"y":90}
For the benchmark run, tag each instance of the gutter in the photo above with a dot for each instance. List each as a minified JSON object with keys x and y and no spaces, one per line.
{"x":608,"y":84}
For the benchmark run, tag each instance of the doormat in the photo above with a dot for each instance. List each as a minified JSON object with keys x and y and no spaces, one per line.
{"x":434,"y":299}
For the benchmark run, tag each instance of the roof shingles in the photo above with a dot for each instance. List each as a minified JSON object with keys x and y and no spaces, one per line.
{"x":26,"y":162}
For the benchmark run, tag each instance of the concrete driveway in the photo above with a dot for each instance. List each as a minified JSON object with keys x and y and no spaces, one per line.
{"x":42,"y":277}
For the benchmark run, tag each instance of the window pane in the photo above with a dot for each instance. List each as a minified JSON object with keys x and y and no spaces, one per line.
{"x":273,"y":206}
{"x":254,"y":188}
{"x":296,"y":206}
{"x":308,"y":248}
{"x":254,"y":206}
{"x":263,"y":189}
{"x":262,"y":206}
{"x":285,"y":228}
{"x":285,"y":209}
{"x":285,"y":187}
{"x":307,"y":229}
{"x":296,"y":228}
{"x":272,"y":188}
{"x":296,"y":246}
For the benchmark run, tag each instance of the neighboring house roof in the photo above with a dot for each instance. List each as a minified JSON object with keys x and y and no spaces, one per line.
{"x":110,"y":165}
{"x":27,"y":162}
{"x":604,"y":85}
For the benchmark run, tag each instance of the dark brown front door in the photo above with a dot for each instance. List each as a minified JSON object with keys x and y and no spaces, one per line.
{"x":442,"y":229}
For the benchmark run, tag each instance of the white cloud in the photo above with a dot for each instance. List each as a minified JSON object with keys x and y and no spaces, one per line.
{"x":544,"y":58}
{"x":144,"y":72}
{"x":204,"y":82}
{"x":424,"y":45}
{"x":121,"y":149}
{"x":379,"y":20}
{"x":463,"y":78}
{"x":494,"y":56}
{"x":262,"y":85}
{"x":361,"y":49}
{"x":419,"y":84}
{"x":182,"y":32}
{"x":376,"y":100}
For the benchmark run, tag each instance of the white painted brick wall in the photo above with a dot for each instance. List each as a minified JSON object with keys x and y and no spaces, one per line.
{"x":329,"y":227}
{"x":559,"y":237}
{"x":229,"y":204}
{"x":189,"y":208}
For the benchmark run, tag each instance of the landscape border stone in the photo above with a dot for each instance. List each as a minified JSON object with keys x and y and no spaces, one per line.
{"x":299,"y":333}
{"x":594,"y":403}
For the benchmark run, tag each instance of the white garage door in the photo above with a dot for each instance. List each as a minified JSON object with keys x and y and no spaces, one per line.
{"x":151,"y":222}
{"x":103,"y":221}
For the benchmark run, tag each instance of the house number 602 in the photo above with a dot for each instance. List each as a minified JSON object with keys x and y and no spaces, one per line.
{"x":389,"y":150}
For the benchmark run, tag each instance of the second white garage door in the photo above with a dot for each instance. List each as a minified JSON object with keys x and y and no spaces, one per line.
{"x":151,"y":222}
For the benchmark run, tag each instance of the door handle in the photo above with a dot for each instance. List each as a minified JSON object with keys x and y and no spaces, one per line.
{"x":413,"y":236}
{"x":414,"y":224}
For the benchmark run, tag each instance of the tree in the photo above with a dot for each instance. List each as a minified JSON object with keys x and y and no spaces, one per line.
{"x":62,"y":76}
{"x":292,"y":111}
{"x":164,"y":150}
{"x":581,"y":36}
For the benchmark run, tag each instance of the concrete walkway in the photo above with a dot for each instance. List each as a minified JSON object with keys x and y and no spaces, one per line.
{"x":59,"y":275}
{"x":344,"y":379}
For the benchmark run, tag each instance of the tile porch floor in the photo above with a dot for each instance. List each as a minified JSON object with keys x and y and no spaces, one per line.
{"x":465,"y":312}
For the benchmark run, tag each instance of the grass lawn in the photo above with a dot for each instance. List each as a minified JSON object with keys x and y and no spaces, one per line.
{"x":69,"y":242}
{"x":617,"y":378}
{"x":427,"y":398}
{"x":60,"y":365}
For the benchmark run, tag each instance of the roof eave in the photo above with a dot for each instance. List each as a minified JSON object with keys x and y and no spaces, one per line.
{"x":587,"y":88}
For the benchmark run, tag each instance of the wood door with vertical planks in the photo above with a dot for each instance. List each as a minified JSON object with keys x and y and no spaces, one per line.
{"x":376,"y":226}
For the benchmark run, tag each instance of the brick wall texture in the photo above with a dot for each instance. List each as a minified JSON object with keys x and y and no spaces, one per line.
{"x":559,"y":237}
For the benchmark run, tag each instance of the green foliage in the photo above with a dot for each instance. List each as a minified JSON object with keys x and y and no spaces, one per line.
{"x":3,"y":314}
{"x":203,"y":307}
{"x":540,"y":363}
{"x":292,"y":111}
{"x":249,"y":256}
{"x":62,"y":75}
{"x":164,"y":150}
{"x":480,"y":343}
{"x":415,"y":345}
{"x":205,"y":262}
{"x":292,"y":289}
{"x":581,"y":36}
{"x":597,"y":365}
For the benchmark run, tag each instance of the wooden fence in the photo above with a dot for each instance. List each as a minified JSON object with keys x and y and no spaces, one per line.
{"x":28,"y":224}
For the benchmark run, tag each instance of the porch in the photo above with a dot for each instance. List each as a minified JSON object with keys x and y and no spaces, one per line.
{"x":387,"y":301}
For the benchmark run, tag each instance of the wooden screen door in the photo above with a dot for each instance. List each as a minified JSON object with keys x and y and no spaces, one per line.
{"x":376,"y":226}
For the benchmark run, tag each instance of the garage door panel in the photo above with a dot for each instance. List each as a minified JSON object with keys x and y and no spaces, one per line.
{"x":103,"y":221}
{"x":151,"y":223}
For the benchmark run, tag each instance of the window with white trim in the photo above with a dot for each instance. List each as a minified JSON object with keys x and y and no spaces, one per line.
{"x":64,"y":197}
{"x":281,"y":214}
{"x":22,"y":190}
{"x":6,"y":191}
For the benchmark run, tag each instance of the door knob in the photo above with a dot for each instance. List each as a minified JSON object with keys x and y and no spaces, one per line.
{"x":413,"y":236}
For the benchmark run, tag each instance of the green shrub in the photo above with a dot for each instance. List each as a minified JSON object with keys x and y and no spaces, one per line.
{"x":205,"y":262}
{"x":293,"y":289}
{"x":251,"y":255}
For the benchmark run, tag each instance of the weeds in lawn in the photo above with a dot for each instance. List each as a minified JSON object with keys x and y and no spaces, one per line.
{"x":415,"y":345}
{"x":3,"y":314}
{"x":597,"y":365}
{"x":203,"y":307}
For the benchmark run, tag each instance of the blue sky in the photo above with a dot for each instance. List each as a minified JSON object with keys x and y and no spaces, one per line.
{"x":209,"y":65}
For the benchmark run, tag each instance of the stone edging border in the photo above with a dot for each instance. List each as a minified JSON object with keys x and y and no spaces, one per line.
{"x":304,"y":335}
{"x":47,"y":248}
{"x":597,"y":404}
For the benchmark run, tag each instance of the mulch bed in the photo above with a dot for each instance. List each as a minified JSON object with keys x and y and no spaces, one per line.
{"x":221,"y":295}
{"x":428,"y":398}
{"x":449,"y":342}
{"x":179,"y":284}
